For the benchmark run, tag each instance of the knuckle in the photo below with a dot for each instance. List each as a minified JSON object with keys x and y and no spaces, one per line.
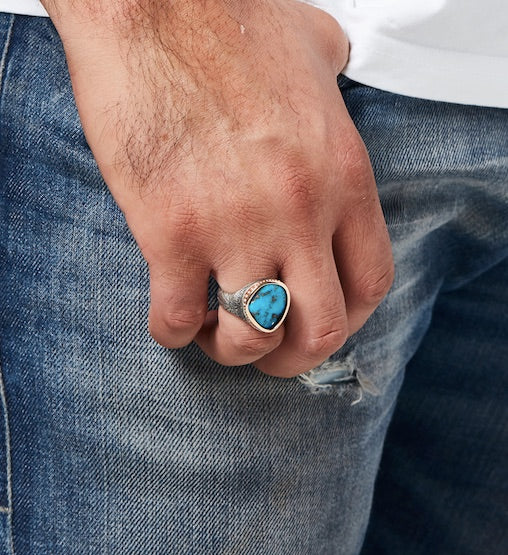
{"x":300,"y":189}
{"x":181,"y":321}
{"x":374,"y":285}
{"x":253,"y":345}
{"x":323,"y":343}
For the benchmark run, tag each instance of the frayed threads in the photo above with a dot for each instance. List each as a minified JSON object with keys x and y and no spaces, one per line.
{"x":325,"y":378}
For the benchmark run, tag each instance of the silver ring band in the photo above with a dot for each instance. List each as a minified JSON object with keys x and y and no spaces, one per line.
{"x":263,"y":304}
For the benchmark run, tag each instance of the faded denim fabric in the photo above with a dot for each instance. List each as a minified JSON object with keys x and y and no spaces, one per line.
{"x":110,"y":443}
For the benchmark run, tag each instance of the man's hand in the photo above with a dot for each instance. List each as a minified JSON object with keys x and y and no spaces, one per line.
{"x":221,"y":133}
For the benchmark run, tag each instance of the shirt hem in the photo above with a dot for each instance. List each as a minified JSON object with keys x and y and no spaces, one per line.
{"x":431,"y":74}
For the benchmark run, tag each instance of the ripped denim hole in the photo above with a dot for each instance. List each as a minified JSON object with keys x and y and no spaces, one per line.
{"x":325,"y":377}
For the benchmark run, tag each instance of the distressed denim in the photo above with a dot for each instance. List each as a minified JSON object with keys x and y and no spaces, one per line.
{"x":110,"y":443}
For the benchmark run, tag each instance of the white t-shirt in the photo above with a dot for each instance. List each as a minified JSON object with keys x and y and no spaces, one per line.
{"x":23,"y":7}
{"x":450,"y":50}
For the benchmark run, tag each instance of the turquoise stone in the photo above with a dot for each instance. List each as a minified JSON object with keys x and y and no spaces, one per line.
{"x":268,"y":305}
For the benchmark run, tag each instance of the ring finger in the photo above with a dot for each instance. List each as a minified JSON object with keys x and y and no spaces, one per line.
{"x":225,"y":337}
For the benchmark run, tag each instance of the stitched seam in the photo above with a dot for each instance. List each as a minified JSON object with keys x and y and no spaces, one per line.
{"x":4,"y":52}
{"x":7,"y":509}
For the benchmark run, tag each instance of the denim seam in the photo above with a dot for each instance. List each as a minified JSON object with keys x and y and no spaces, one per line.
{"x":3,"y":399}
{"x":5,"y":51}
{"x":7,"y":509}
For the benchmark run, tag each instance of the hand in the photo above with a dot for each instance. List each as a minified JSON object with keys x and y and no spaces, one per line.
{"x":220,"y":130}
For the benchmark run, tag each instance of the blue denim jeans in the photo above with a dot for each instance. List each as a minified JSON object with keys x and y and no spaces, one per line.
{"x":110,"y":443}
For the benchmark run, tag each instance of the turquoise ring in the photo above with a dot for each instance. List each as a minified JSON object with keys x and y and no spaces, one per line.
{"x":264,"y":304}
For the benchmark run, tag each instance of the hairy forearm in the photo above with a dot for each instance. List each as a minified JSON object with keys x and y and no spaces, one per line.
{"x":127,"y":16}
{"x":188,"y":35}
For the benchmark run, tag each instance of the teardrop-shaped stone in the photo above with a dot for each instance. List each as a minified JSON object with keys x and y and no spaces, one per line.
{"x":268,"y":305}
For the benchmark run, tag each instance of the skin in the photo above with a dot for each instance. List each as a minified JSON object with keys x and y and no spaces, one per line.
{"x":219,"y":128}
